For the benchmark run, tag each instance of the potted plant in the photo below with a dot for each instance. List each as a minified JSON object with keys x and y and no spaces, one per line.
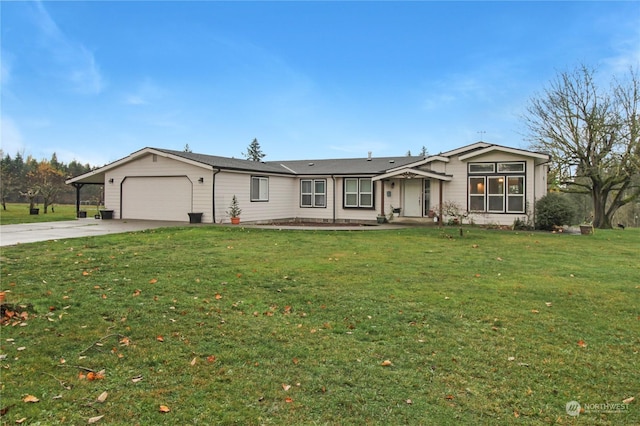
{"x":234,"y":211}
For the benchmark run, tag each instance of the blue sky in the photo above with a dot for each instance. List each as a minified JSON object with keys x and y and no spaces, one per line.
{"x":95,"y":81}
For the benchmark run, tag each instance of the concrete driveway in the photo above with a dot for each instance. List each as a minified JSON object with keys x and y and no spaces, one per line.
{"x":34,"y":232}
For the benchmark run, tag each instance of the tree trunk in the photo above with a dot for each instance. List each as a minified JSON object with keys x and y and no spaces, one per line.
{"x":600,"y":218}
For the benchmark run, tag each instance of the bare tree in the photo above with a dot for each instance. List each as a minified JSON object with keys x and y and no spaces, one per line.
{"x":592,"y":136}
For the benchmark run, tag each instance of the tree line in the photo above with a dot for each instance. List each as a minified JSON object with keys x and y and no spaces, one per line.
{"x":41,"y":181}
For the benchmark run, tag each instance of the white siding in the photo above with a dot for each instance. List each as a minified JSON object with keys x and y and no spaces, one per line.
{"x":282,"y":197}
{"x":161,"y":167}
{"x":456,"y":190}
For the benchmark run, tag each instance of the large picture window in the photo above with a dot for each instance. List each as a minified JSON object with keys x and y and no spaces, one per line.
{"x":259,"y":188}
{"x":313,"y":193}
{"x":358,"y":192}
{"x":499,"y":190}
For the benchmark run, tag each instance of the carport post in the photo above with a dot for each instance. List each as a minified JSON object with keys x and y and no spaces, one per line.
{"x":77,"y":186}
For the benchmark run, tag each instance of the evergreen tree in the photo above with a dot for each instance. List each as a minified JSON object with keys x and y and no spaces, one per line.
{"x":254,"y":152}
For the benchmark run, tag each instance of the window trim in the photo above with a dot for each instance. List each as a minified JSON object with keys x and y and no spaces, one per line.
{"x":482,"y":195}
{"x":495,"y":195}
{"x":313,"y":194}
{"x":359,"y":193}
{"x":499,"y":166}
{"x":260,"y":180}
{"x":509,"y":194}
{"x":481,"y":172}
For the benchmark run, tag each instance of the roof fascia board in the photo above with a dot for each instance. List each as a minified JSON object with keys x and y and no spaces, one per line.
{"x":465,"y":149}
{"x":421,"y":162}
{"x":418,"y":172}
{"x":131,"y":157}
{"x":502,"y":149}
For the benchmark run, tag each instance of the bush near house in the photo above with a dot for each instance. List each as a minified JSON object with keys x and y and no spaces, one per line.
{"x":554,"y":209}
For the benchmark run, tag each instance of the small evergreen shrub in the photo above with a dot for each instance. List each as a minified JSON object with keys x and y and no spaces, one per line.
{"x":553,"y":209}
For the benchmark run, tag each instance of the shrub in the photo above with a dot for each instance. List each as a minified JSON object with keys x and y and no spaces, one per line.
{"x":554,"y":209}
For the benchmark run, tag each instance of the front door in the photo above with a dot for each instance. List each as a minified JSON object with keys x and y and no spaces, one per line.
{"x":412,"y":198}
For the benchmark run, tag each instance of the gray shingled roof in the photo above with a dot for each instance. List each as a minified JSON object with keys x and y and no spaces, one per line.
{"x":339,"y":166}
{"x":348,"y":166}
{"x":230,"y":163}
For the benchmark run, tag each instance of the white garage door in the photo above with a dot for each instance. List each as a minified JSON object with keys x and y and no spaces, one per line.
{"x":156,"y":198}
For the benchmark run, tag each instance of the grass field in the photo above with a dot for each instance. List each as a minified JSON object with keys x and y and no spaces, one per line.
{"x":232,"y":325}
{"x":19,"y":213}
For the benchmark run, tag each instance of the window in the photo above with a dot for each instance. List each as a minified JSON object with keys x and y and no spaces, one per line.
{"x":510,"y":167}
{"x":482,"y":168}
{"x":515,"y":194}
{"x":259,"y":188}
{"x":476,"y":194}
{"x":499,"y":190}
{"x":358,"y":192}
{"x":495,"y":194}
{"x":313,"y":193}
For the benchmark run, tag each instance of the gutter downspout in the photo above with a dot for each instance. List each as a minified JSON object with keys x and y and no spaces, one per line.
{"x":333,"y":180}
{"x":213,"y":195}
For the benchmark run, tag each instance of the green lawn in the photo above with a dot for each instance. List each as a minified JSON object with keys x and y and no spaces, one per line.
{"x":232,"y":325}
{"x":19,"y":213}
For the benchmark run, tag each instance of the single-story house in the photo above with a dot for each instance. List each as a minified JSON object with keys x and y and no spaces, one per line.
{"x":495,"y":184}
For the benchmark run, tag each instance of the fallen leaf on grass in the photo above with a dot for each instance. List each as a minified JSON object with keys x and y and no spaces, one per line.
{"x":582,"y":343}
{"x":103,"y":397}
{"x":408,"y":401}
{"x":20,"y":421}
{"x":386,"y":363}
{"x":30,"y":398}
{"x":449,"y":397}
{"x":193,"y":361}
{"x":628,"y":400}
{"x":288,"y":400}
{"x":160,"y":338}
{"x":95,"y":419}
{"x":164,"y":409}
{"x":211,"y":358}
{"x":535,"y":311}
{"x":136,"y":379}
{"x":153,"y":280}
{"x":218,"y":296}
{"x":286,"y":387}
{"x":137,"y":293}
{"x":548,"y":304}
{"x":91,"y":376}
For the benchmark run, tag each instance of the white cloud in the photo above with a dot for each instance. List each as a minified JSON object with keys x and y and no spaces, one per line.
{"x":75,"y":62}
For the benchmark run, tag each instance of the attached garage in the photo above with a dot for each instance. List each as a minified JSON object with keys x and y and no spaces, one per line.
{"x":157,"y":197}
